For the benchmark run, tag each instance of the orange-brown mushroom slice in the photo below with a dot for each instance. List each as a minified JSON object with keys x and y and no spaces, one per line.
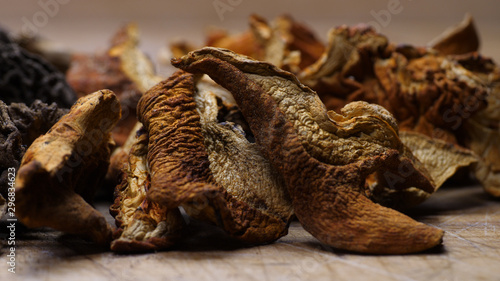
{"x":285,"y":42}
{"x":66,"y":165}
{"x":207,"y":167}
{"x":142,"y":225}
{"x":459,"y":39}
{"x":323,"y":157}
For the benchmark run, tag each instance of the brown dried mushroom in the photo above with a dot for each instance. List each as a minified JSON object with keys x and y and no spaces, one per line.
{"x":442,"y":97}
{"x":142,"y":225}
{"x":323,"y":157}
{"x":283,"y":42}
{"x":483,"y":128}
{"x":209,"y":168}
{"x":61,"y":169}
{"x":457,"y":40}
{"x":123,"y":69}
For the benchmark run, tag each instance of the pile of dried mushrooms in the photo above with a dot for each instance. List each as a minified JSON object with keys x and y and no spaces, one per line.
{"x":251,"y":131}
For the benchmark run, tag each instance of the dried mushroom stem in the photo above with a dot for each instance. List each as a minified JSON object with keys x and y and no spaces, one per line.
{"x":64,"y":166}
{"x":182,"y":173}
{"x":142,"y":225}
{"x":287,"y":120}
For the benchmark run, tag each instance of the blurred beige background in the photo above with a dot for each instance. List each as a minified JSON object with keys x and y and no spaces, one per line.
{"x":88,"y":25}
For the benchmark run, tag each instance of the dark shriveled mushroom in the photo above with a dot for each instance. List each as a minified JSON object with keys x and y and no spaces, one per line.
{"x":323,"y":157}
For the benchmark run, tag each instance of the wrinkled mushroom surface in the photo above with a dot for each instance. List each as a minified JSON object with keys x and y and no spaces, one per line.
{"x":61,"y":170}
{"x":20,"y":125}
{"x":445,"y":96}
{"x":209,"y":168}
{"x":26,"y":77}
{"x":303,"y":142}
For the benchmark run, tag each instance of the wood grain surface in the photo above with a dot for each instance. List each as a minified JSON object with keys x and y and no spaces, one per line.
{"x":470,"y":251}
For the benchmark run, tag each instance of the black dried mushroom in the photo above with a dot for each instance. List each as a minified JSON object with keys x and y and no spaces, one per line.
{"x":20,"y":125}
{"x":25,"y":77}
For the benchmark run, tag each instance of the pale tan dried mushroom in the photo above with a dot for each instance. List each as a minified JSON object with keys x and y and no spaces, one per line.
{"x":142,"y":225}
{"x":61,"y":170}
{"x":440,"y":158}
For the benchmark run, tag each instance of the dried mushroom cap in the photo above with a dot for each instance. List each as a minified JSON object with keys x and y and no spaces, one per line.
{"x":344,"y":56}
{"x":123,"y":69}
{"x":182,"y":174}
{"x":485,"y":142}
{"x":20,"y":125}
{"x":244,"y":42}
{"x":439,"y":92}
{"x":142,"y":225}
{"x":482,"y":129}
{"x":25,"y":77}
{"x":442,"y":97}
{"x":283,"y":42}
{"x":286,"y":43}
{"x":64,"y":166}
{"x":289,"y":121}
{"x":440,"y":158}
{"x":236,"y":164}
{"x":426,"y":92}
{"x":459,"y":39}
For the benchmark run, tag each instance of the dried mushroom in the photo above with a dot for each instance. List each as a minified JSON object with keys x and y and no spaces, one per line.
{"x":20,"y":125}
{"x":323,"y":156}
{"x":55,"y":53}
{"x":61,"y":169}
{"x":440,"y":158}
{"x":123,"y":69}
{"x":427,"y":92}
{"x":25,"y":77}
{"x":142,"y":225}
{"x":207,"y":167}
{"x":283,"y":42}
{"x":459,"y":39}
{"x":483,"y":128}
